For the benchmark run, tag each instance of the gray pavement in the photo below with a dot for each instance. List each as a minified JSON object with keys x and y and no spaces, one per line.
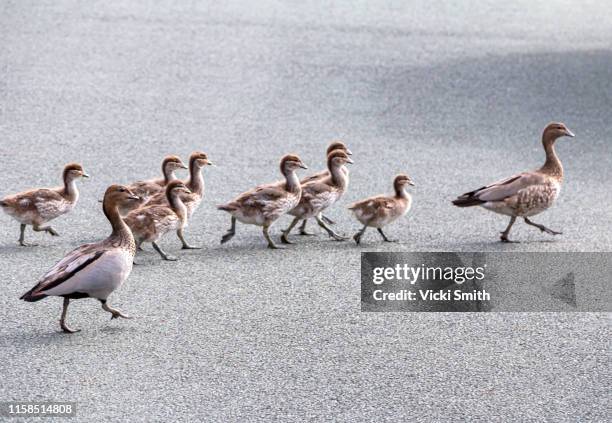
{"x":453,"y":93}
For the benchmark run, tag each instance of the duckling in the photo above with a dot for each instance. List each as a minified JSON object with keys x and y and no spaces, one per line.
{"x":319,"y":194}
{"x":379,"y":211}
{"x":93,"y":270}
{"x":525,"y":194}
{"x":195,"y":184}
{"x":264,"y":204}
{"x":150,"y":223}
{"x":146,"y":189}
{"x":39,"y":206}
{"x":334,"y":145}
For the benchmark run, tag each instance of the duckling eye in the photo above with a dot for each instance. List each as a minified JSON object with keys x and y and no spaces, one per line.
{"x":121,"y":189}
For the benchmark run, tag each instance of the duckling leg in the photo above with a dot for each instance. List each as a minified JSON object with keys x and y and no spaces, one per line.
{"x":504,"y":234}
{"x":163,"y":253}
{"x":329,"y":230}
{"x":115,"y":313}
{"x":139,"y":245}
{"x":358,"y":235}
{"x":287,"y":231}
{"x":185,"y":246}
{"x":48,"y":229}
{"x":303,"y":230}
{"x":230,"y":232}
{"x":542,"y":227}
{"x":22,"y":242}
{"x":327,"y":220}
{"x":271,"y":243}
{"x":380,"y":231}
{"x":63,"y":325}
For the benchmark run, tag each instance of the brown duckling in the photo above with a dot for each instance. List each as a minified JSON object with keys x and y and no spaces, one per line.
{"x":150,"y":223}
{"x":334,"y":145}
{"x":319,"y":194}
{"x":148,"y":188}
{"x":93,"y":270}
{"x":195,"y":184}
{"x":264,"y":204}
{"x":39,"y":206}
{"x":377,"y":212}
{"x":525,"y":194}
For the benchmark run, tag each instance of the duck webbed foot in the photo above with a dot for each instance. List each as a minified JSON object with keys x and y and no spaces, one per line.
{"x":271,"y":244}
{"x":115,"y":313}
{"x":329,"y":230}
{"x":162,"y":253}
{"x":230,"y":232}
{"x":63,"y":325}
{"x":542,"y":227}
{"x":380,"y":231}
{"x":286,"y":232}
{"x":303,"y":231}
{"x":358,"y":235}
{"x":185,"y":245}
{"x":506,"y":232}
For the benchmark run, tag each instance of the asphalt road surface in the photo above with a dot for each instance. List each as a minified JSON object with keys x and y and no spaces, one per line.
{"x":453,"y":93}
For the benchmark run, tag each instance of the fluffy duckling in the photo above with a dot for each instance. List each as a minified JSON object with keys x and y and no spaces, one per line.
{"x":39,"y":206}
{"x":379,"y":211}
{"x":93,"y":270}
{"x":334,"y":145}
{"x":525,"y":194}
{"x":263,"y":205}
{"x":150,"y":223}
{"x":146,"y":189}
{"x":195,"y":184}
{"x":319,"y":194}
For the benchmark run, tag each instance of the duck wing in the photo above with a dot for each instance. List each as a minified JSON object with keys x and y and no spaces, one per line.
{"x":32,"y":201}
{"x":315,"y":177}
{"x":500,"y":190}
{"x":74,"y":262}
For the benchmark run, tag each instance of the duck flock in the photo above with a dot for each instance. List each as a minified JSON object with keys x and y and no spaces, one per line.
{"x":145,"y":211}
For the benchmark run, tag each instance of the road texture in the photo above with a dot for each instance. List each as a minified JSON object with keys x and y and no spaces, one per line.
{"x":453,"y":93}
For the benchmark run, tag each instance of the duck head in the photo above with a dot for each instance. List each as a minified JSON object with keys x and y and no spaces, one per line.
{"x":290,"y":163}
{"x":73,"y":171}
{"x":199,"y":159}
{"x":338,"y":145}
{"x":556,"y":130}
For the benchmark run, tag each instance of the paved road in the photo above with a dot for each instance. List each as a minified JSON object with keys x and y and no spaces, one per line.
{"x":453,"y":93}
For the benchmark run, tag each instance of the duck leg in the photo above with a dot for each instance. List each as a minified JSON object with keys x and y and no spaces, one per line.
{"x":329,"y":230}
{"x":542,"y":227}
{"x":115,"y":313}
{"x":162,"y":253}
{"x":286,"y":232}
{"x":47,"y":229}
{"x":271,"y":243}
{"x":22,"y":242}
{"x":327,"y":220}
{"x":185,"y":246}
{"x":303,"y":230}
{"x":380,"y":231}
{"x":230,"y":232}
{"x":358,"y":235}
{"x":504,"y":234}
{"x":63,"y":325}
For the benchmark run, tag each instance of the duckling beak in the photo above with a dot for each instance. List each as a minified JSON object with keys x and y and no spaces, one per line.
{"x":133,"y":197}
{"x":350,"y":161}
{"x":303,"y":166}
{"x":349,"y":152}
{"x":183,"y":166}
{"x":209,"y":163}
{"x":84,"y":175}
{"x":411,"y":183}
{"x":569,"y":133}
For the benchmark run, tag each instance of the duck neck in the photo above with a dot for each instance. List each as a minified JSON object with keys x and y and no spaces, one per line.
{"x":400,"y":192}
{"x":168,"y":174}
{"x":196,"y":180}
{"x":292,"y":180}
{"x":338,"y":175}
{"x":70,"y":191}
{"x":120,"y":228}
{"x":552,"y":166}
{"x":177,"y":205}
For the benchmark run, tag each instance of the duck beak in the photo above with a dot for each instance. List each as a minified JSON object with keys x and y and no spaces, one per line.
{"x":411,"y":183}
{"x":183,"y":166}
{"x":209,"y":163}
{"x":303,"y":166}
{"x":350,"y":161}
{"x":134,"y":197}
{"x":569,"y":133}
{"x":85,"y":175}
